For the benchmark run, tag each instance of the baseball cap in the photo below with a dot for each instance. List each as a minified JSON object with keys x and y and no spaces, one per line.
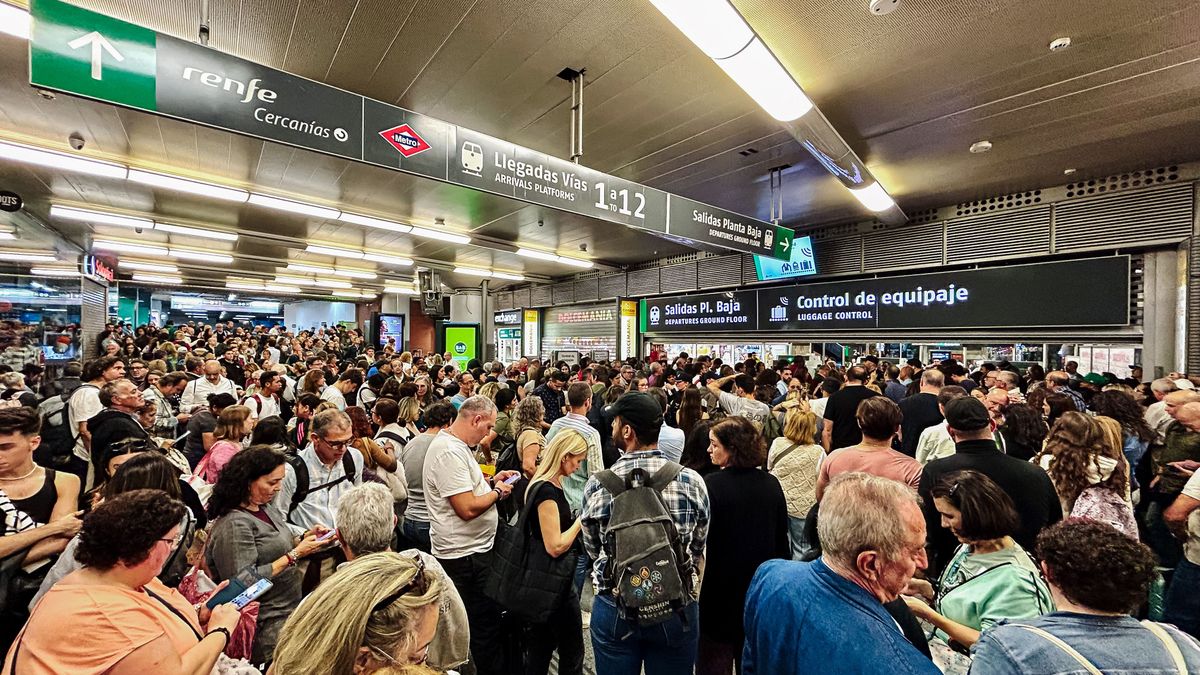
{"x":967,"y":414}
{"x":638,"y":409}
{"x":1096,"y":379}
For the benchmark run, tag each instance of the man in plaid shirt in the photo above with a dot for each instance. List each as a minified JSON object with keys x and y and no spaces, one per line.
{"x":622,"y":647}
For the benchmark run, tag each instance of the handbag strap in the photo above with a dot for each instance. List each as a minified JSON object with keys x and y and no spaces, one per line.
{"x":172,"y":609}
{"x":1170,"y":644}
{"x":779,"y":458}
{"x":1068,"y":649}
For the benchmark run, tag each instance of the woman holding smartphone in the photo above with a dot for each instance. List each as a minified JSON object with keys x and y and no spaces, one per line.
{"x":245,"y":536}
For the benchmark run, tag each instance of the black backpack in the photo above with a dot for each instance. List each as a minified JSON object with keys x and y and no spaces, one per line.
{"x":58,"y":438}
{"x":647,"y":569}
{"x":302,"y":479}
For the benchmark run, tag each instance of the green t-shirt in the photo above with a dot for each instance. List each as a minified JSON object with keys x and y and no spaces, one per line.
{"x":980,"y":589}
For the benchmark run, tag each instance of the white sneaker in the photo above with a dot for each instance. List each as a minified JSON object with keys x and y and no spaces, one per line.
{"x":587,"y":618}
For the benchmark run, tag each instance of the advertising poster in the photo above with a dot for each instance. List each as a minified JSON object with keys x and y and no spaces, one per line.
{"x":462,"y":341}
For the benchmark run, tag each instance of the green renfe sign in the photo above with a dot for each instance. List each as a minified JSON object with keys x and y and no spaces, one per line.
{"x":87,"y":54}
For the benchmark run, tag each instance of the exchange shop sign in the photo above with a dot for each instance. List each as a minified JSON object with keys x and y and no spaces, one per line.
{"x":88,"y":54}
{"x":1069,"y":294}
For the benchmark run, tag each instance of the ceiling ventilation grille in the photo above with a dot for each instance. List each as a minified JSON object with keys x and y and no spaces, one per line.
{"x":677,"y":278}
{"x":1025,"y":232}
{"x":989,"y":204}
{"x":540,"y":296}
{"x":1123,"y":181}
{"x":720,"y":272}
{"x":520,"y":297}
{"x":563,"y":293}
{"x":642,"y":282}
{"x":926,"y":216}
{"x":833,"y":231}
{"x":503,"y":300}
{"x":921,"y":245}
{"x":839,"y":256}
{"x":612,"y":285}
{"x":662,"y":262}
{"x":587,"y":289}
{"x":1132,"y":218}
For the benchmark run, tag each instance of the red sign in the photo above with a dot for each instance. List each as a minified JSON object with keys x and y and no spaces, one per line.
{"x":405,"y":139}
{"x":95,"y":267}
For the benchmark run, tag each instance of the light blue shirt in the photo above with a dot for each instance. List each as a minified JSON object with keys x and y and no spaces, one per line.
{"x":573,"y":485}
{"x":670,"y":441}
{"x":320,"y":507}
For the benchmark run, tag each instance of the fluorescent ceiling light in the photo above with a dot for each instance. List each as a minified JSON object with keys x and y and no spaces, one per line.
{"x":72,"y":213}
{"x":199,"y":255}
{"x":28,"y":256}
{"x":14,"y":21}
{"x":301,"y":267}
{"x":388,"y":259}
{"x":402,"y":291}
{"x":713,"y":25}
{"x":508,"y":275}
{"x":367,"y":295}
{"x":472,"y":271}
{"x":295,"y":281}
{"x":575,"y":262}
{"x":293,"y":206}
{"x":334,"y":251}
{"x":196,"y":232}
{"x":759,"y":74}
{"x":540,"y":255}
{"x":354,"y":274}
{"x":125,"y":247}
{"x":148,"y":267}
{"x":441,"y":236}
{"x":194,"y":187}
{"x":244,"y":285}
{"x":54,"y":272}
{"x":157,"y":279}
{"x":7,"y":235}
{"x":367,"y":221}
{"x":280,"y":288}
{"x":333,"y":283}
{"x":873,"y":197}
{"x":61,"y":160}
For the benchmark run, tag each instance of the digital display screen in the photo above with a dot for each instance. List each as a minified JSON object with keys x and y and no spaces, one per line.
{"x":391,"y":326}
{"x":801,"y":264}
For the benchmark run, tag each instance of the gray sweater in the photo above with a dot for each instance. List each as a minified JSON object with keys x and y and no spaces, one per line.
{"x":239,"y":540}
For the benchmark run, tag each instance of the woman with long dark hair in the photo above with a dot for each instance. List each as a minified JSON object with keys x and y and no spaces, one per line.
{"x":244,"y":535}
{"x":1024,"y":430}
{"x":691,"y":410}
{"x":695,"y":449}
{"x":1136,"y":434}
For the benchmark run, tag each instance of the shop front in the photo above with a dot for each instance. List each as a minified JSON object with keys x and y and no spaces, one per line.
{"x":593,"y":330}
{"x":1023,"y":313}
{"x":508,"y":335}
{"x":40,"y":319}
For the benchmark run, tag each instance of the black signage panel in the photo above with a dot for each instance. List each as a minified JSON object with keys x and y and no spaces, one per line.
{"x":706,"y":224}
{"x":201,"y":84}
{"x":510,"y":318}
{"x":736,"y":311}
{"x":10,"y":201}
{"x":1092,"y":292}
{"x":1068,"y":294}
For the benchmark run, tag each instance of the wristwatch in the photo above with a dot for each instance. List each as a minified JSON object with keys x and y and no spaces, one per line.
{"x":499,"y":494}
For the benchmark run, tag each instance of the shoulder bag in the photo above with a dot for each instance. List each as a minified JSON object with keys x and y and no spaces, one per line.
{"x":524,"y":579}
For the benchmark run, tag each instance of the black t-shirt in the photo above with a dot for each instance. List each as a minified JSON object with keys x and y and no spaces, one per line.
{"x":841,"y":411}
{"x":547,"y":491}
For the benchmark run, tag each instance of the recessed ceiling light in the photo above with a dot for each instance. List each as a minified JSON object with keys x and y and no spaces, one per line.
{"x":157,"y":279}
{"x":354,"y":274}
{"x":301,"y":267}
{"x":336,"y":251}
{"x":979,"y":147}
{"x":61,"y":160}
{"x":441,"y":236}
{"x":71,"y":213}
{"x":198,"y":255}
{"x":196,"y":232}
{"x":148,"y":267}
{"x":127,"y":247}
{"x":388,"y":259}
{"x":1060,"y":43}
{"x":367,"y":221}
{"x":54,"y":271}
{"x":187,"y":185}
{"x":1068,"y":172}
{"x":292,"y":206}
{"x":28,"y":256}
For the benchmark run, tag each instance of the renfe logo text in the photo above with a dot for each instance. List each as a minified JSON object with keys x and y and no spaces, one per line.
{"x":218,"y":81}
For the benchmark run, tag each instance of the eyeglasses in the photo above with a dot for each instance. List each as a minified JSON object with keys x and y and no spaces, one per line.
{"x":419,"y":575}
{"x":336,"y":445}
{"x":174,"y":542}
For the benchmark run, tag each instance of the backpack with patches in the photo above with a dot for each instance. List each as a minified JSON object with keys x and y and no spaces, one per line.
{"x":58,"y":438}
{"x":647,"y":568}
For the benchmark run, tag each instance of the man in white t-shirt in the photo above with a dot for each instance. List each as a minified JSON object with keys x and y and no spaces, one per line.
{"x":265,"y":402}
{"x":349,"y":381}
{"x":85,"y":404}
{"x":197,"y":391}
{"x":463,"y":521}
{"x":741,"y":403}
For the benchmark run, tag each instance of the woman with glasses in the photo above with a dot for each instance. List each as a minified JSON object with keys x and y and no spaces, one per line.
{"x":989,"y":578}
{"x":244,"y":535}
{"x":114,"y":616}
{"x":378,"y":612}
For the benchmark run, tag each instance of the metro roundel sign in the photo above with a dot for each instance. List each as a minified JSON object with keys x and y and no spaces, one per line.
{"x":405,"y":139}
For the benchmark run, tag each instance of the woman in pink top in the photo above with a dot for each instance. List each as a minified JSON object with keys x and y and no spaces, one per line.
{"x":879,"y":418}
{"x":233,"y":424}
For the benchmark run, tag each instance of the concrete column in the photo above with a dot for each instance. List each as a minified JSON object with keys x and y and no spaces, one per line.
{"x":488,"y":337}
{"x":466,"y":306}
{"x":1164,"y":311}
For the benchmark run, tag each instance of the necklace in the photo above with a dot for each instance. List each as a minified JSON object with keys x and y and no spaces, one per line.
{"x":31,"y":472}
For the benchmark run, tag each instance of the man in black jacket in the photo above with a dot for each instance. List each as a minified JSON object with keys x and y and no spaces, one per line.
{"x":117,"y":422}
{"x":920,"y":411}
{"x":1027,"y":484}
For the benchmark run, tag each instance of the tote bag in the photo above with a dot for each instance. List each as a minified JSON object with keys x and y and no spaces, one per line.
{"x":524,"y":579}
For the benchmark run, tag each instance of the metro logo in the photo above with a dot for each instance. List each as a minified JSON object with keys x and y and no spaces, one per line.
{"x":405,"y":139}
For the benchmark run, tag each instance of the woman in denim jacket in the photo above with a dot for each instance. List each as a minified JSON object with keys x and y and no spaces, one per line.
{"x":1097,"y":577}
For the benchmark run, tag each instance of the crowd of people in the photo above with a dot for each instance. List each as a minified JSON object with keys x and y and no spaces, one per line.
{"x":230,"y":499}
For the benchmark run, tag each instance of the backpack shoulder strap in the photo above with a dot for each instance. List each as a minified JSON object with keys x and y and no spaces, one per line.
{"x":1170,"y":644}
{"x":348,"y":465}
{"x":779,"y":458}
{"x":665,"y":474}
{"x":611,"y":482}
{"x":1068,"y":649}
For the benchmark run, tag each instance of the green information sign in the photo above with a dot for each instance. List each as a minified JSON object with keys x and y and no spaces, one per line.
{"x":80,"y":51}
{"x":462,"y":342}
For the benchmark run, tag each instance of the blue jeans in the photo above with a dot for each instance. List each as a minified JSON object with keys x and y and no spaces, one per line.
{"x":796,"y":537}
{"x":1183,"y":598}
{"x":622,"y":648}
{"x":416,"y":535}
{"x":583,"y":568}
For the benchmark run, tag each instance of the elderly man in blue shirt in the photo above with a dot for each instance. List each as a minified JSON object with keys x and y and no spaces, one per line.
{"x":828,"y":615}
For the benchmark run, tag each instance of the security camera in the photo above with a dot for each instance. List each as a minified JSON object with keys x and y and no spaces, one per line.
{"x":136,"y":230}
{"x":881,"y":7}
{"x":76,"y":141}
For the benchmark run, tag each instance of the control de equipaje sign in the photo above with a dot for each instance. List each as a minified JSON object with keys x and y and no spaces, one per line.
{"x":88,"y":54}
{"x":1068,"y":294}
